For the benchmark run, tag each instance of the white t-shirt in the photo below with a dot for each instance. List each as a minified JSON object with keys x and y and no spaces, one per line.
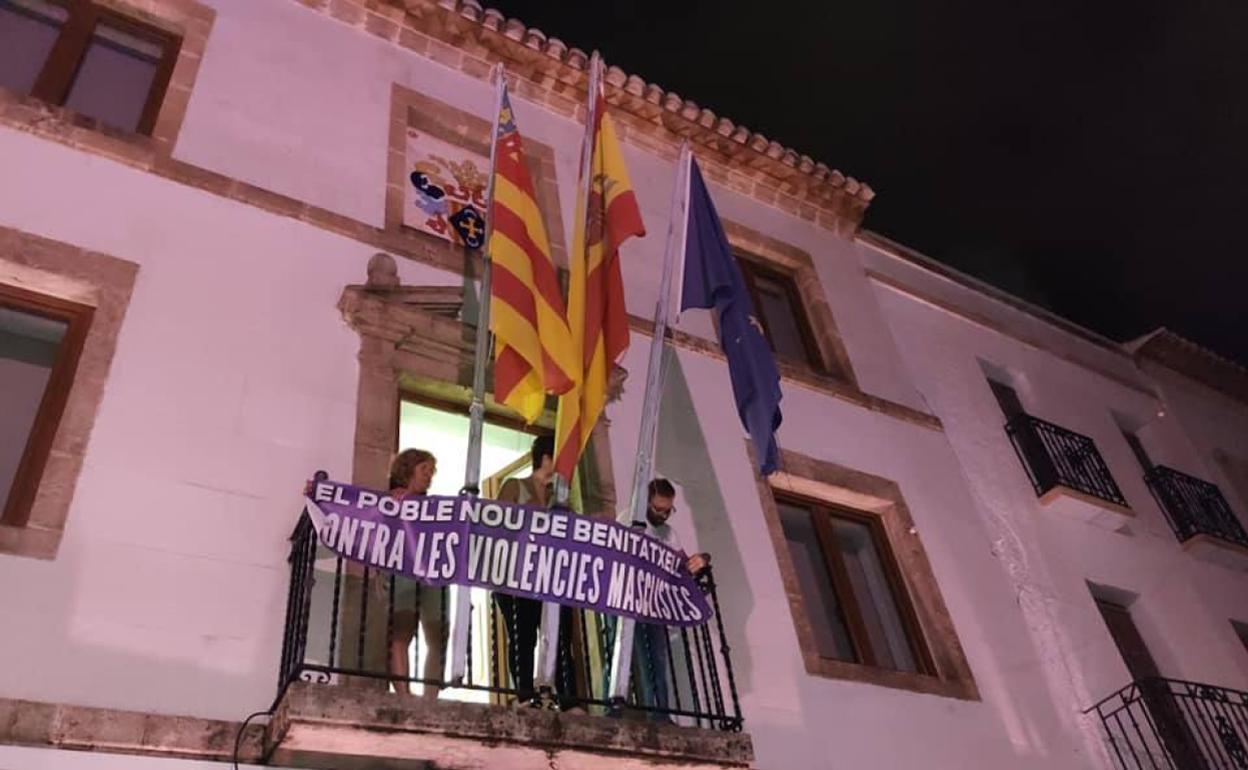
{"x":664,"y":534}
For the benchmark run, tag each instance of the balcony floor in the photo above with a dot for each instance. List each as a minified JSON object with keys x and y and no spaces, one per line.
{"x":1088,"y":508}
{"x":1215,"y":550}
{"x":348,"y":727}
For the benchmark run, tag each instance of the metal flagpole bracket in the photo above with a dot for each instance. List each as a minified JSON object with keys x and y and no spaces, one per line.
{"x":461,"y":605}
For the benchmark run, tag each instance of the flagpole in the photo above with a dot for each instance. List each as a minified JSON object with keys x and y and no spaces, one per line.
{"x":676,"y":229}
{"x":548,"y":637}
{"x":461,"y":607}
{"x":643,"y":470}
{"x":476,"y":410}
{"x":563,"y":487}
{"x":687,"y":169}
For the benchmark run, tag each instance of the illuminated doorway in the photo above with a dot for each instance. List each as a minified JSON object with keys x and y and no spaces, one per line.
{"x":442,"y":428}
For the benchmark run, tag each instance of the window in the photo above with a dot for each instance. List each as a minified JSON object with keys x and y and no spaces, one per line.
{"x":780,"y":311}
{"x":851,"y":589}
{"x":41,"y":339}
{"x":93,"y":60}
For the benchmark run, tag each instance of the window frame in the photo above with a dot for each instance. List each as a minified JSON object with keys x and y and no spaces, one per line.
{"x":821,"y":513}
{"x":60,"y":70}
{"x":21,"y":496}
{"x":493,"y":415}
{"x":751,"y":269}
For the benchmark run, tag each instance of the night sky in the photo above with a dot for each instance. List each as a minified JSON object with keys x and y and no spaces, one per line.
{"x":1091,"y":157}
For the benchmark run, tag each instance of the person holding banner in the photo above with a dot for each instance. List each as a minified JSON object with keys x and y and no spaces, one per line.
{"x":651,"y":647}
{"x":411,"y":473}
{"x":523,"y":617}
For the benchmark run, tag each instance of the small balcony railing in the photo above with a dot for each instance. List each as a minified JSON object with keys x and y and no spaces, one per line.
{"x":1056,"y":457}
{"x":341,"y":620}
{"x":1169,"y":724}
{"x":1194,"y":506}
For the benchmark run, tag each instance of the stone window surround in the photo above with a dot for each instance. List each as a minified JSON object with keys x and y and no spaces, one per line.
{"x":401,"y":343}
{"x":413,"y":109}
{"x":403,"y":347}
{"x":878,"y":496}
{"x":53,"y":396}
{"x":103,"y":283}
{"x":189,"y":20}
{"x":799,"y":266}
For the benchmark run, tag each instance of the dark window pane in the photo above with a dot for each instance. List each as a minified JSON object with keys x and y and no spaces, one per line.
{"x":116,"y":77}
{"x":871,"y":588}
{"x":822,"y":610}
{"x":28,"y":29}
{"x":780,"y":317}
{"x":28,"y":347}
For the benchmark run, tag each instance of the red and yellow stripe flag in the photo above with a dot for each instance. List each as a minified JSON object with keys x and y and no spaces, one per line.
{"x":596,"y":314}
{"x":533,"y":353}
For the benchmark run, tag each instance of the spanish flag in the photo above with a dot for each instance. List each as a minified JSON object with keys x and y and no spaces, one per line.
{"x":596,"y":314}
{"x":533,"y":353}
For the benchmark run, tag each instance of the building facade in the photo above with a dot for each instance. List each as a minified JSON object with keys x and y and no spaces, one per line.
{"x":996,"y":539}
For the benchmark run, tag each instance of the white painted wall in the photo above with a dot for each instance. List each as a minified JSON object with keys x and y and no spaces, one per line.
{"x":235,"y":378}
{"x":1183,"y":605}
{"x":801,"y":721}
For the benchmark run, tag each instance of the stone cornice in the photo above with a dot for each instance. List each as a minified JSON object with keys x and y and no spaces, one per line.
{"x":461,"y":35}
{"x":84,"y":728}
{"x":1192,"y":360}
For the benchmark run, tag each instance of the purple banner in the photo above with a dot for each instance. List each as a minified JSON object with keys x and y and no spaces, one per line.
{"x":522,"y":550}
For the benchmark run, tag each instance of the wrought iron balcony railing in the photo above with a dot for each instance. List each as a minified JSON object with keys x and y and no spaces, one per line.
{"x":1054,"y":456}
{"x":1194,"y":506}
{"x":342,"y":621}
{"x":1169,"y":724}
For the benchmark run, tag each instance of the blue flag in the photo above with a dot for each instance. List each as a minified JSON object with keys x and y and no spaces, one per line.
{"x":713,"y":279}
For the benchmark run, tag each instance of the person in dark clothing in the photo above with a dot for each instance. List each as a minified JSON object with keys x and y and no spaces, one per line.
{"x":651,"y":645}
{"x":522,"y":617}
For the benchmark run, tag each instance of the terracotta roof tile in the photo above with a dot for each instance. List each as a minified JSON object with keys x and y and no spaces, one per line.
{"x":548,"y":60}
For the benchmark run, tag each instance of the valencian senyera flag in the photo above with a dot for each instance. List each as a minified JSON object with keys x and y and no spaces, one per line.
{"x":596,"y":314}
{"x":712,"y":279}
{"x":533,"y":353}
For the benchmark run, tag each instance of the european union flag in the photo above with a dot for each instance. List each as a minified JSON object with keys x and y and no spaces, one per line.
{"x":713,"y":279}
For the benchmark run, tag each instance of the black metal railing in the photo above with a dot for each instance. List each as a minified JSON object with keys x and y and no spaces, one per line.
{"x":1175,"y":725}
{"x":344,"y":623}
{"x":1054,"y":456}
{"x":1194,"y":506}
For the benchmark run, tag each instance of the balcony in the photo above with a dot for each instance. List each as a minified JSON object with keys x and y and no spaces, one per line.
{"x":340,"y":703}
{"x":1169,"y":724}
{"x":1200,"y":517}
{"x":1067,"y":472}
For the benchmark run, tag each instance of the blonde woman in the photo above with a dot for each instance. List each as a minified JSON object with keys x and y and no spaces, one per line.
{"x":411,"y":473}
